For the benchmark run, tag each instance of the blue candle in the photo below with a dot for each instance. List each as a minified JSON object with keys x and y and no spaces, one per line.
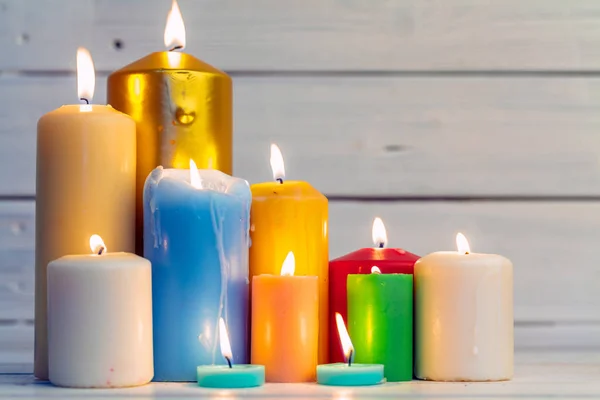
{"x":232,"y":375}
{"x":340,"y":374}
{"x":196,"y":236}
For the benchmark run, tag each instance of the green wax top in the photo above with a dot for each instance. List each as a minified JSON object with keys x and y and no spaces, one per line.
{"x":340,"y":374}
{"x":239,"y":376}
{"x":380,"y":322}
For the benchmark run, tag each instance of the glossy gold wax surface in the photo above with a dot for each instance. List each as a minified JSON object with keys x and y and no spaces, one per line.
{"x":183,"y":110}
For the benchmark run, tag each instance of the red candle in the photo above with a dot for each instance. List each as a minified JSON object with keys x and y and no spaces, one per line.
{"x":389,"y":261}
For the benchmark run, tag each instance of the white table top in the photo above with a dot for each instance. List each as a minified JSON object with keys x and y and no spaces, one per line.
{"x":537,"y":375}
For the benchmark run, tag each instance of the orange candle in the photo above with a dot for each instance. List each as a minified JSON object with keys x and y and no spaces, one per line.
{"x":285,"y":324}
{"x":291,"y":216}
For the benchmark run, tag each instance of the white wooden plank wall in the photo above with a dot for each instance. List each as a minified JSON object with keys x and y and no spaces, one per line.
{"x":439,"y":116}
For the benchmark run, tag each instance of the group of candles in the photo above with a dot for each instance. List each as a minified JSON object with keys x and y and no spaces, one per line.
{"x":235,"y":285}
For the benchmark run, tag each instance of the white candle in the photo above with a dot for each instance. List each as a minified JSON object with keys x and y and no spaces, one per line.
{"x":464,"y":316}
{"x":100,"y":319}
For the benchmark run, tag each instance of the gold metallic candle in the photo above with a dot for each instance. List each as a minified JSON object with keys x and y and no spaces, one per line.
{"x":182,"y":108}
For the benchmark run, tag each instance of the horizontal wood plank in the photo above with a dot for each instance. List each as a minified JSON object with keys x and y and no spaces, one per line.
{"x":310,"y":35}
{"x":17,"y":244}
{"x":16,"y":343}
{"x":552,"y":246}
{"x":376,"y":136}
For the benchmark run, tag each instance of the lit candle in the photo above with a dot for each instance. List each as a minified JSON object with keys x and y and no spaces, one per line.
{"x":380,"y":319}
{"x":285,"y":324}
{"x":291,"y":216}
{"x":348,"y":373}
{"x":463,"y":316}
{"x":196,"y":236}
{"x":231,"y":375}
{"x":85,"y":184}
{"x":100,"y":319}
{"x":182,"y":107}
{"x":388,"y":260}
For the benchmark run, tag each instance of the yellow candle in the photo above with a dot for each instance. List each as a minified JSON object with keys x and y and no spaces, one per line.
{"x":85,"y":184}
{"x":182,"y":107}
{"x":291,"y":216}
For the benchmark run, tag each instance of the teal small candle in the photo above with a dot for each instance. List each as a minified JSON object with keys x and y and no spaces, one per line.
{"x":348,"y":374}
{"x":224,"y":377}
{"x":342,"y":374}
{"x":229,"y":376}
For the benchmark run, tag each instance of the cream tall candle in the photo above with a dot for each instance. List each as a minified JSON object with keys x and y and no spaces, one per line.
{"x":100,"y":319}
{"x":464,"y":316}
{"x":85,"y":184}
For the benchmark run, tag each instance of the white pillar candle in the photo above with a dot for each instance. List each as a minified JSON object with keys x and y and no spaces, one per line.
{"x":100,"y":319}
{"x":464,"y":316}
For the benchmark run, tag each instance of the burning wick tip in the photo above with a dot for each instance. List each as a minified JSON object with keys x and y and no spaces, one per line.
{"x":176,"y":48}
{"x":229,"y":362}
{"x":350,"y":358}
{"x":381,"y":245}
{"x":280,"y":180}
{"x":101,"y":250}
{"x":84,"y":99}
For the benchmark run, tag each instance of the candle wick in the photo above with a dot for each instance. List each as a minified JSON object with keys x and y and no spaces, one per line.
{"x":101,"y":250}
{"x":350,"y":359}
{"x":280,"y":180}
{"x":176,"y":48}
{"x":84,"y":99}
{"x":381,"y":245}
{"x":229,"y":362}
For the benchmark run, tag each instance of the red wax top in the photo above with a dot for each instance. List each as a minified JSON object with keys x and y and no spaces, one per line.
{"x":401,"y":260}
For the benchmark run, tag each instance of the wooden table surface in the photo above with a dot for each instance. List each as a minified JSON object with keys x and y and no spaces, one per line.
{"x":537,"y":375}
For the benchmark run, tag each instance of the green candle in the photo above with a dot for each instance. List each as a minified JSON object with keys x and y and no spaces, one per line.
{"x":380,"y":320}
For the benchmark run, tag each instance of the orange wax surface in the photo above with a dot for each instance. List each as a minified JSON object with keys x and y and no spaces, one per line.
{"x":292,"y":216}
{"x":285,"y":327}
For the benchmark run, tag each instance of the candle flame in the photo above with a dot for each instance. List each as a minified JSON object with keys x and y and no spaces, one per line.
{"x":97,"y":244}
{"x":462,"y":244}
{"x":379,"y":233}
{"x":375,"y":269}
{"x":86,"y":76}
{"x":224,"y":340}
{"x":289,"y":265}
{"x":277,"y":163}
{"x":347,"y":347}
{"x":175,"y":29}
{"x":195,"y":179}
